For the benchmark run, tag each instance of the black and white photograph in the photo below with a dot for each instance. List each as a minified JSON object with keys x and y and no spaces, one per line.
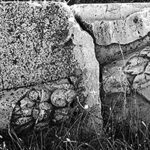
{"x":75,"y":75}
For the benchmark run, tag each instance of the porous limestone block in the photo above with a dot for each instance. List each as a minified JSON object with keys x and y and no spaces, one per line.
{"x":44,"y":51}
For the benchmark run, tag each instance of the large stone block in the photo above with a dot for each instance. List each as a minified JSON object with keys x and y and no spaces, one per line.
{"x":47,"y":66}
{"x":116,"y":28}
{"x":115,"y":23}
{"x":121,"y":34}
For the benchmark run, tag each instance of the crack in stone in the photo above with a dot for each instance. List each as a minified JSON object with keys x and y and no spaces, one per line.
{"x":88,"y":28}
{"x":108,"y":54}
{"x":104,"y":54}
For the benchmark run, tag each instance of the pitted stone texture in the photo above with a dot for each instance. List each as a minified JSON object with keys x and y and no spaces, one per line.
{"x":8,"y":100}
{"x":44,"y":50}
{"x":32,"y":38}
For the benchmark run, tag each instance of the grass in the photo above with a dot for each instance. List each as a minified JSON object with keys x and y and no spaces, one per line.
{"x":115,"y":136}
{"x":122,"y":136}
{"x":70,"y":136}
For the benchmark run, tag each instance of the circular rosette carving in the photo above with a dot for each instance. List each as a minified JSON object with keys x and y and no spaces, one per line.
{"x":61,"y":97}
{"x":58,"y":98}
{"x":34,"y":95}
{"x":42,"y":105}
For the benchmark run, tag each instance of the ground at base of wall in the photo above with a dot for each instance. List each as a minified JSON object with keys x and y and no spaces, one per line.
{"x":115,"y":136}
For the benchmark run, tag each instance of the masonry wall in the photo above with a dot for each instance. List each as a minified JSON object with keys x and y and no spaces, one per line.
{"x":122,"y":38}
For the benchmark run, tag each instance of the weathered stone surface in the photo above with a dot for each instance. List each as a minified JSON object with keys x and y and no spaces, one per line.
{"x":61,"y":97}
{"x":135,"y":65}
{"x":113,"y":11}
{"x":114,"y":80}
{"x":28,"y":43}
{"x":130,"y":101}
{"x":116,"y":28}
{"x":8,"y":101}
{"x":48,"y":66}
{"x":139,"y":69}
{"x":115,"y":23}
{"x":121,"y":34}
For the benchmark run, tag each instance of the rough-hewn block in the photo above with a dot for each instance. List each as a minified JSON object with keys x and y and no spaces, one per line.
{"x":116,"y":28}
{"x":47,"y":66}
{"x":121,"y":34}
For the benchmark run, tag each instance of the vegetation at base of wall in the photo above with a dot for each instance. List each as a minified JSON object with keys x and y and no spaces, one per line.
{"x":115,"y":136}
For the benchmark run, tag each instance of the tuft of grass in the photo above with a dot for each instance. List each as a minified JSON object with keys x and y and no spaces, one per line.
{"x":115,"y":136}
